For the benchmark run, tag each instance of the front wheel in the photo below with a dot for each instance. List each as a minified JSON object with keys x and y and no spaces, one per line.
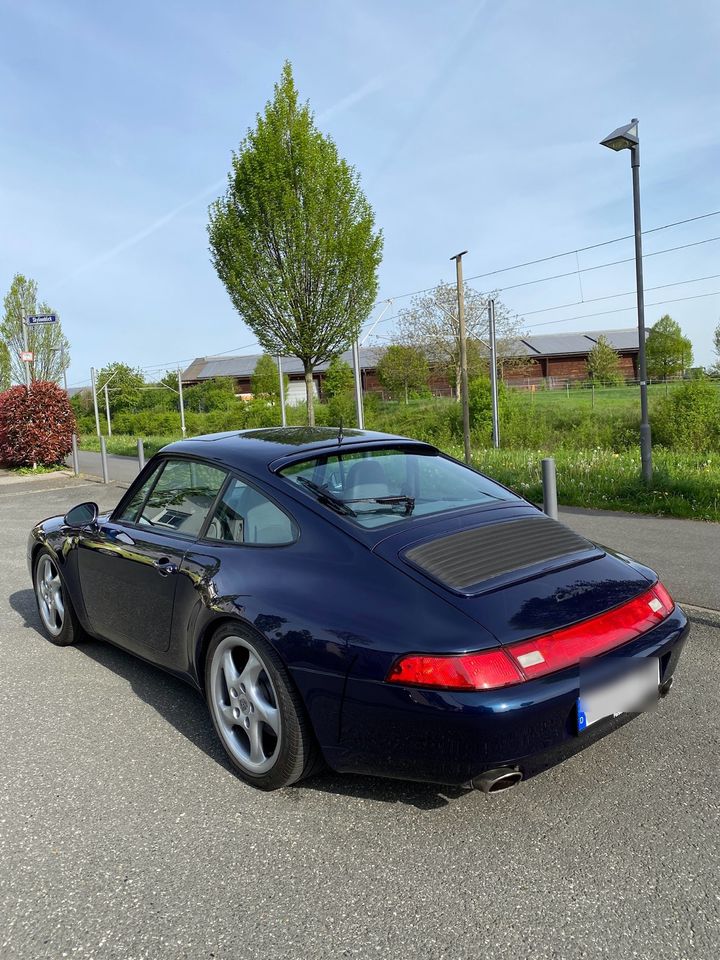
{"x":256,"y":710}
{"x":56,"y":612}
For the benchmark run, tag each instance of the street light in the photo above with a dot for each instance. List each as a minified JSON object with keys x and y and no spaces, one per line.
{"x":627,"y":138}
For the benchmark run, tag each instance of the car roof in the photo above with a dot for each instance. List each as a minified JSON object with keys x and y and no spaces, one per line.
{"x":261,"y":448}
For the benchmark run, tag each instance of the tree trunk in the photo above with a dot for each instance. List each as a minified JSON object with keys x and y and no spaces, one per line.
{"x":310,"y":395}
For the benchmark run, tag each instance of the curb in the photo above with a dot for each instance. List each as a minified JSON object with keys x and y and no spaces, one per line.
{"x":704,"y":615}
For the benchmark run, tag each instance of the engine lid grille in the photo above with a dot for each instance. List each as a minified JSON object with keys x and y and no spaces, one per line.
{"x":462,"y":560}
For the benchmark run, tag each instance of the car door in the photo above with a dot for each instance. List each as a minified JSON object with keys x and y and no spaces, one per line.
{"x":128,"y":566}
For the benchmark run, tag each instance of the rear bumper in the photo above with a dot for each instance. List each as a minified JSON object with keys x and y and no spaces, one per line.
{"x":448,"y":737}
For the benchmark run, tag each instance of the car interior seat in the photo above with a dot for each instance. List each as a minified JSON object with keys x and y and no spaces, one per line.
{"x":366,"y":478}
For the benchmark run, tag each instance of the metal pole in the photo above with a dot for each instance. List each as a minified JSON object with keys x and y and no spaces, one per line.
{"x":463,"y":355}
{"x":182,"y":405}
{"x":549,"y":481}
{"x":282,"y":391}
{"x":104,"y":461}
{"x":95,"y":403}
{"x":75,"y":458}
{"x":358,"y":385}
{"x":141,"y":453}
{"x":645,"y":436}
{"x":493,"y":376}
{"x":23,"y":321}
{"x":64,"y":368}
{"x":107,"y":409}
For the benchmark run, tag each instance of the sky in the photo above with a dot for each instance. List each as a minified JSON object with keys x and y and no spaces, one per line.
{"x":474,"y":125}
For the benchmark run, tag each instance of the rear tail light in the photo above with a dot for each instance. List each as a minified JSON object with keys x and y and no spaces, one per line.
{"x":491,"y":669}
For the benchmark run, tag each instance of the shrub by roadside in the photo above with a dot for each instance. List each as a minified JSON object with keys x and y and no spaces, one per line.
{"x":36,"y":425}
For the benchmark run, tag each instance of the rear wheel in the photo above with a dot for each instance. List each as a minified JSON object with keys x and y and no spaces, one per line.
{"x":54,"y":606}
{"x":256,"y":710}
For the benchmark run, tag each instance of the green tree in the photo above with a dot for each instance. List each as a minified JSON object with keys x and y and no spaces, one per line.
{"x":715,"y":370}
{"x":293,"y":239}
{"x":403,"y":369}
{"x":4,"y":367}
{"x":125,"y":386}
{"x":603,"y":362}
{"x":431,"y":322}
{"x":215,"y":394}
{"x":339,"y":378}
{"x":668,"y":351}
{"x":46,"y":341}
{"x":266,"y":379}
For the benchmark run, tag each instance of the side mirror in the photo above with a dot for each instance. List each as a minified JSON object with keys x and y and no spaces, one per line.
{"x":83,"y":515}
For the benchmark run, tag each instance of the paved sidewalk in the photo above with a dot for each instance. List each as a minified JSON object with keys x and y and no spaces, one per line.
{"x":686,"y":553}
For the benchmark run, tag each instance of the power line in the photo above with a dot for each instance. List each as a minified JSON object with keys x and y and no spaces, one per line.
{"x":612,"y":296}
{"x":557,"y":256}
{"x":611,"y":263}
{"x":656,"y":303}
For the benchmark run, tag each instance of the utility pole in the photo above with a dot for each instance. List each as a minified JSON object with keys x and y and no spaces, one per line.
{"x":357,"y":374}
{"x":282,"y":389}
{"x":493,"y":376}
{"x":463,"y":355}
{"x":95,"y":402}
{"x":64,"y":368}
{"x":182,"y":404}
{"x":107,"y":408}
{"x":23,"y":321}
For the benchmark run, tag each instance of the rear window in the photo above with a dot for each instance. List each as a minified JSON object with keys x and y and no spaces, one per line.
{"x":377,"y":487}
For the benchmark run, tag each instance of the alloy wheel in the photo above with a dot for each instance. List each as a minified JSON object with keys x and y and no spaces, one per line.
{"x":245,"y":704}
{"x":48,"y":590}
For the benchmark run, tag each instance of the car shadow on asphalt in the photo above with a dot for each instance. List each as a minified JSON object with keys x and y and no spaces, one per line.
{"x":184,"y":708}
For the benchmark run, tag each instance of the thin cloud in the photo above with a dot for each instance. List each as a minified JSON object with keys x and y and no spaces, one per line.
{"x":333,"y":111}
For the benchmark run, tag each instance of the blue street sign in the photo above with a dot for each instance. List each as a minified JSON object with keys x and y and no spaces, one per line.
{"x":42,"y":318}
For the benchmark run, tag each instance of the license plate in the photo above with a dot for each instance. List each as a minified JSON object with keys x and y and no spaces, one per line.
{"x":633,"y":692}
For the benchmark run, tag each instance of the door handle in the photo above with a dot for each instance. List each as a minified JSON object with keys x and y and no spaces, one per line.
{"x":165,"y":566}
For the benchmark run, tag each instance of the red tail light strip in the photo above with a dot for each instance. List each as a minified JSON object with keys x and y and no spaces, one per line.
{"x":491,"y":669}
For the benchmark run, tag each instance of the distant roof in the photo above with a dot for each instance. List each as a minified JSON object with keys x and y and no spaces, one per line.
{"x":205,"y":368}
{"x":552,"y":344}
{"x":542,"y":345}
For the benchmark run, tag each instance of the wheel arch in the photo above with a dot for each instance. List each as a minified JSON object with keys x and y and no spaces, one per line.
{"x":208,"y":631}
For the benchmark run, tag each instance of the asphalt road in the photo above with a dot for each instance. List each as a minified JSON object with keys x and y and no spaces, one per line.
{"x":123,"y":469}
{"x":123,"y":834}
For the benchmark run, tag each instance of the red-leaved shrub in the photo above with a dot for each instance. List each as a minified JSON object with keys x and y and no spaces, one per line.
{"x":36,"y":425}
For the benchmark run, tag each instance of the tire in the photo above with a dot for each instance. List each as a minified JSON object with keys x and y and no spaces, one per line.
{"x":257,"y":712}
{"x":57,"y":616}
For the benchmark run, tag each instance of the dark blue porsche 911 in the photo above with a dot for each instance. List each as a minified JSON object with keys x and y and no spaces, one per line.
{"x":362,"y":600}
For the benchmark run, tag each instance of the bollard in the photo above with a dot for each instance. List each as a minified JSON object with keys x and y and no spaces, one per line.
{"x":141,"y":453}
{"x":104,"y":460}
{"x":75,"y":458}
{"x":549,"y":488}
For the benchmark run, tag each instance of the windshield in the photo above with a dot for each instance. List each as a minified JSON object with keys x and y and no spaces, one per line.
{"x":376,"y":487}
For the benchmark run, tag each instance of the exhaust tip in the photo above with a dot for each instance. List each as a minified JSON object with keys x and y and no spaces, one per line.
{"x":666,"y":687}
{"x":493,"y":781}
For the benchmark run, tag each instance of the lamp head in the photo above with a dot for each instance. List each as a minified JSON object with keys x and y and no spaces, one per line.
{"x":624,"y":138}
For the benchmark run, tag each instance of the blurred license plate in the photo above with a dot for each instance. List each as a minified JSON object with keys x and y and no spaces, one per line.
{"x":633,"y":692}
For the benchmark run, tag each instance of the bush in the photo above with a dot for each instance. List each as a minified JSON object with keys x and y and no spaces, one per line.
{"x":689,"y":417}
{"x":36,"y":425}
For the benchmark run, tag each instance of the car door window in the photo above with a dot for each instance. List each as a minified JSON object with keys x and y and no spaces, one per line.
{"x":134,"y":505}
{"x":176,"y":498}
{"x":244,"y":515}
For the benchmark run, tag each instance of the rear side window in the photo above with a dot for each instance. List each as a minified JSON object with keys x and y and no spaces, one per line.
{"x":177,"y":496}
{"x":244,"y":515}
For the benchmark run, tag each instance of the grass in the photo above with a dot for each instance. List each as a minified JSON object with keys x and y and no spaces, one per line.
{"x":124,"y":446}
{"x":39,"y":469}
{"x":684,"y":484}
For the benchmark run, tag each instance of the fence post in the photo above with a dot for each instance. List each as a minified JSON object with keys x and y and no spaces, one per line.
{"x":75,"y":459}
{"x":549,"y":487}
{"x":104,"y":460}
{"x":141,"y":453}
